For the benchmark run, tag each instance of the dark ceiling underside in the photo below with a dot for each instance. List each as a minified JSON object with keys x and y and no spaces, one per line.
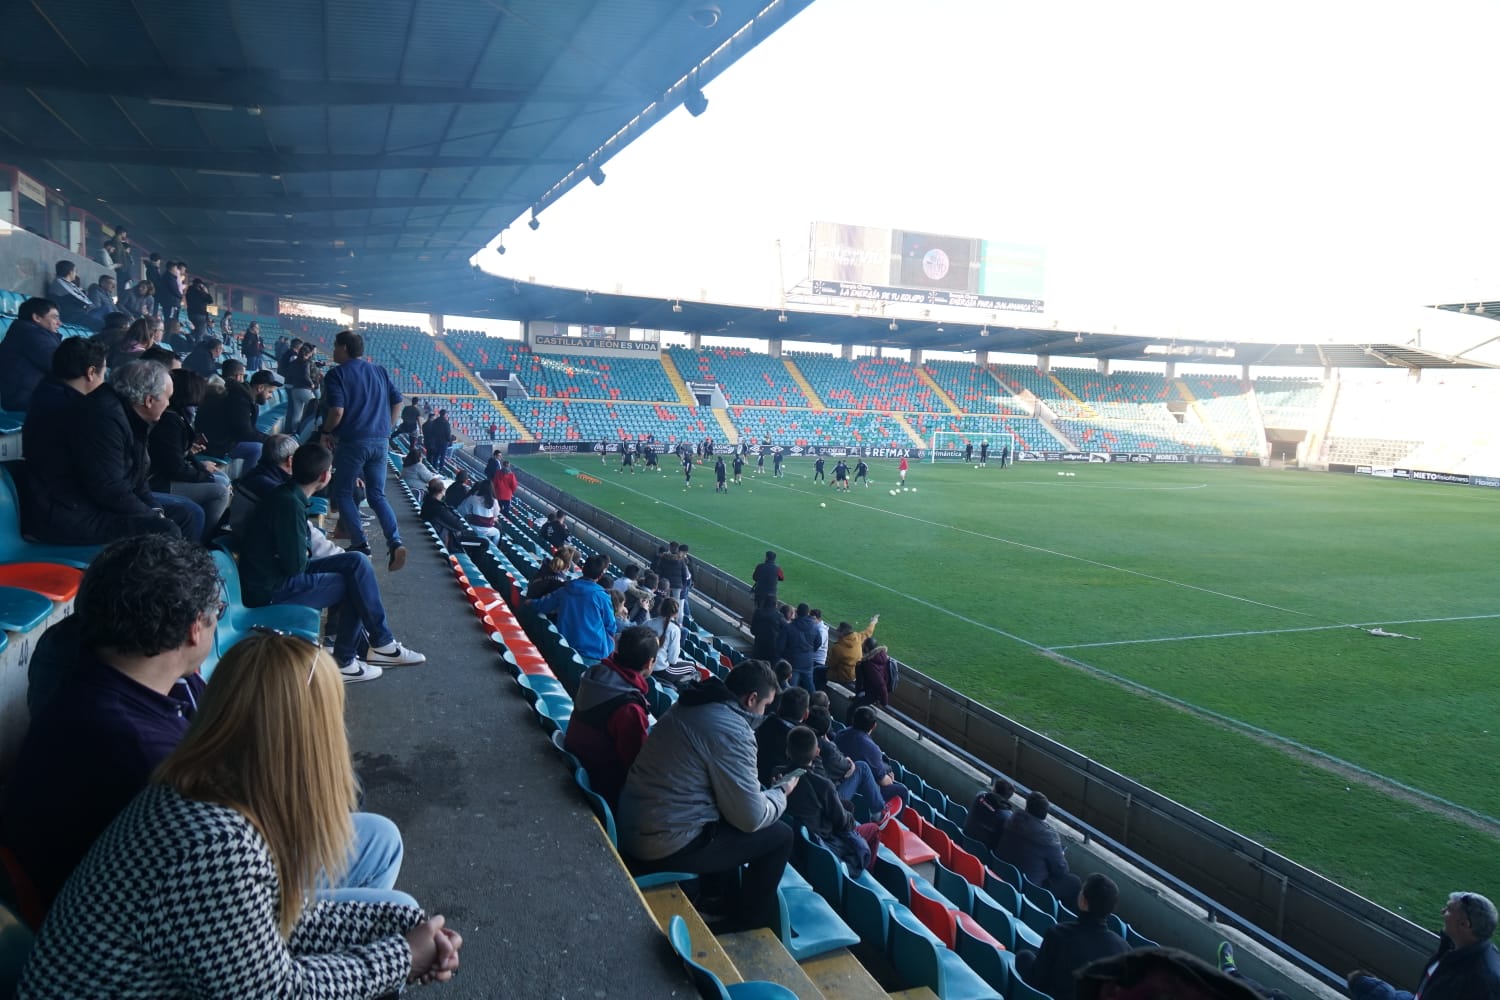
{"x":344,"y":149}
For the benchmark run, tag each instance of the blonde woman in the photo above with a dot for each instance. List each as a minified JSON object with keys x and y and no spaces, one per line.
{"x":204,"y":885}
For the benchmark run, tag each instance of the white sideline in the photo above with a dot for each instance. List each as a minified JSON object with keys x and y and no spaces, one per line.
{"x":1270,"y":631}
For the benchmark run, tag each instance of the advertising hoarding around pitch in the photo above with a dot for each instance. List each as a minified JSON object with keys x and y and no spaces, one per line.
{"x":898,"y":265}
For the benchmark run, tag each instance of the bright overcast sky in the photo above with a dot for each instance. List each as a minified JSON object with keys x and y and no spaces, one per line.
{"x":1199,"y":168}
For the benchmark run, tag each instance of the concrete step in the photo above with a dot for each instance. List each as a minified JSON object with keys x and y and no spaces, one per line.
{"x":759,"y":954}
{"x":666,"y":902}
{"x":840,"y":976}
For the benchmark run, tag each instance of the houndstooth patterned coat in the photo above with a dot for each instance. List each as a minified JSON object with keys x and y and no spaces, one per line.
{"x":178,"y":898}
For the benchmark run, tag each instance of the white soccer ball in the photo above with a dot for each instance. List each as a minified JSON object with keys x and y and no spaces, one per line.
{"x":906,"y":489}
{"x":822,"y":505}
{"x":893,"y":492}
{"x":976,"y":466}
{"x":1062,"y":473}
{"x":914,"y":489}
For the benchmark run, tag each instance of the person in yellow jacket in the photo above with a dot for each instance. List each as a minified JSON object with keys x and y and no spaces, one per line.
{"x":846,"y":649}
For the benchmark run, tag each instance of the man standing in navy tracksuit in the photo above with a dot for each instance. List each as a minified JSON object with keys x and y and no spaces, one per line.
{"x":362,"y":406}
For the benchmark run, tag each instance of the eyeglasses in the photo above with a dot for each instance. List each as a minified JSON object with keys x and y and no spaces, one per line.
{"x":268,"y":630}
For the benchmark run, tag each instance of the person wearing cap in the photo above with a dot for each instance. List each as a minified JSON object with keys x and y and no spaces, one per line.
{"x":227,"y":419}
{"x":204,"y":357}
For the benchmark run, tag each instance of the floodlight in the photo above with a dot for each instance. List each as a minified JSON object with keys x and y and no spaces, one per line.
{"x":677,"y":306}
{"x":893,"y":325}
{"x":781,"y":318}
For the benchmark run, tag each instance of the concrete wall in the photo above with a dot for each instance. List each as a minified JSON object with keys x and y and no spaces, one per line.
{"x":27,"y":263}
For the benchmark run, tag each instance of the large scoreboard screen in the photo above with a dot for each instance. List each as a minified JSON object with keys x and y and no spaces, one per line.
{"x":897,"y":265}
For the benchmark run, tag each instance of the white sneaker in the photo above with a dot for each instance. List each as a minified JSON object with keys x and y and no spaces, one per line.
{"x":359,"y":670}
{"x":397,"y":656}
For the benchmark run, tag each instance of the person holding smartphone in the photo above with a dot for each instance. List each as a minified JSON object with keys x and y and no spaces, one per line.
{"x":692,"y":803}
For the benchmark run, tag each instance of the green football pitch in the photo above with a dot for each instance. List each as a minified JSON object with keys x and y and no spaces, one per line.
{"x":1203,"y":630}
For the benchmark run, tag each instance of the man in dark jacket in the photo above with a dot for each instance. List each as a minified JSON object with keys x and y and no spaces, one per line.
{"x":252,"y":347}
{"x":1030,"y":843}
{"x":988,"y":813}
{"x":1465,"y":967}
{"x":97,"y":489}
{"x":555,"y":531}
{"x":770,"y":738}
{"x":228,"y":419}
{"x":609,"y":721}
{"x":799,"y":641}
{"x":26,"y":352}
{"x":277,"y":569}
{"x":766,"y":578}
{"x":858,"y":742}
{"x":438,"y":437}
{"x":78,"y":367}
{"x":766,"y":625}
{"x":1070,"y":946}
{"x":204,"y":357}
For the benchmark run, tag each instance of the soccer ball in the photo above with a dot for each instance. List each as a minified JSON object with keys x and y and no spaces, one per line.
{"x":822,"y":505}
{"x":893,"y":492}
{"x":914,"y":489}
{"x":906,"y":489}
{"x":976,"y":466}
{"x":1062,"y":473}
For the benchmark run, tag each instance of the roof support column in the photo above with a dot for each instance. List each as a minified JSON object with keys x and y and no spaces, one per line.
{"x":982,"y":358}
{"x":436,"y":321}
{"x":1044,"y":362}
{"x":354,"y":315}
{"x":1103,"y":366}
{"x":773,"y":348}
{"x":695,"y":341}
{"x":1171,"y":370}
{"x":916,"y":355}
{"x":1244,"y":373}
{"x":847,"y":352}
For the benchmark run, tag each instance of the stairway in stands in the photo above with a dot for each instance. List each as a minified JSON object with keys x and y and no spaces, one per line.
{"x":802,"y":383}
{"x":925,"y":377}
{"x":684,"y":394}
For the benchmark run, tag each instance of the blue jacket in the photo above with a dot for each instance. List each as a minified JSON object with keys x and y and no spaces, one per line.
{"x":367,"y":395}
{"x":585,"y":617}
{"x":798,"y":641}
{"x":25,"y":359}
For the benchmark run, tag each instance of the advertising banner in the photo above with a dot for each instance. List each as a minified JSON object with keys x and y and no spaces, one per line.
{"x":594,"y":346}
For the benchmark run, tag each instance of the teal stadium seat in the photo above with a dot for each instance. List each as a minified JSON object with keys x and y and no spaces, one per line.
{"x":710,"y":985}
{"x":14,"y":548}
{"x":922,"y":960}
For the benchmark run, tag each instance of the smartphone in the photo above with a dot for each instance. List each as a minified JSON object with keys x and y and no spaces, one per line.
{"x":788,"y":777}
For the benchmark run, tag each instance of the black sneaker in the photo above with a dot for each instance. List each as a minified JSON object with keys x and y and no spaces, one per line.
{"x":397,"y":558}
{"x":359,"y":548}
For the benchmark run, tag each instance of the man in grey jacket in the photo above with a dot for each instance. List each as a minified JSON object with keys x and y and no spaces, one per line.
{"x":692,"y":803}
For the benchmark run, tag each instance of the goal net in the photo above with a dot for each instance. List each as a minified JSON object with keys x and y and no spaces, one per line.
{"x":949,"y":446}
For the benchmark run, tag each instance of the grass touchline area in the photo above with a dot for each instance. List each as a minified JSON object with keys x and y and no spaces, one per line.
{"x":1196,"y":687}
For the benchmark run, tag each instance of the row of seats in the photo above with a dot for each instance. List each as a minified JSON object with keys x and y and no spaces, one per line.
{"x":866,"y":383}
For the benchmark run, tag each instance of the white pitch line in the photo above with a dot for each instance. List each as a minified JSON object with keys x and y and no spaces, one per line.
{"x":1269,"y":631}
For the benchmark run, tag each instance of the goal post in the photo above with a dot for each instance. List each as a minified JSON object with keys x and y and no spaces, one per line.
{"x":948,"y":441}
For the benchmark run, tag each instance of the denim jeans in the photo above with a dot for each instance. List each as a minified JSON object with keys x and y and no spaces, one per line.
{"x":803,"y":679}
{"x":182,"y":512}
{"x":363,"y":459}
{"x":346,"y":582}
{"x":374,"y":862}
{"x":298,"y":409}
{"x":863,"y":782}
{"x":248,"y":450}
{"x":212,"y":497}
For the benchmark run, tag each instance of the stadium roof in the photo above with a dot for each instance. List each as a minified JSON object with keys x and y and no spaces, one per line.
{"x":349,"y":148}
{"x":504,"y":298}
